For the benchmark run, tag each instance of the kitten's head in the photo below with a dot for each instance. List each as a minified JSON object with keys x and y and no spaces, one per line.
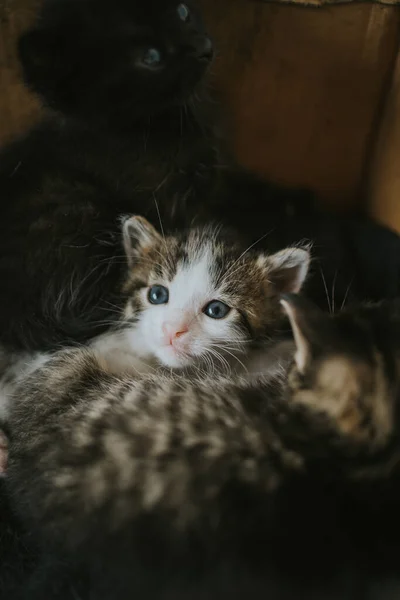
{"x":347,"y":365}
{"x":117,"y":61}
{"x":199,"y":294}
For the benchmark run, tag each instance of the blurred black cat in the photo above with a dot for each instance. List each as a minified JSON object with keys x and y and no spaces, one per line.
{"x":130,"y":131}
{"x":141,"y":59}
{"x":126,"y":127}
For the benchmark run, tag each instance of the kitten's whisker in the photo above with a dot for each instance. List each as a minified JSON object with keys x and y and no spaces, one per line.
{"x":229,"y":272}
{"x":213,"y":363}
{"x":246,"y":251}
{"x":168,"y":256}
{"x":148,"y":261}
{"x":118,"y":309}
{"x":219,"y":357}
{"x":209,"y":364}
{"x":240,"y":342}
{"x":333,"y":291}
{"x":326,"y":290}
{"x":74,"y":291}
{"x":165,"y":257}
{"x":346,"y":294}
{"x":162,"y":183}
{"x":110,"y":324}
{"x":227,"y":346}
{"x":232,"y":348}
{"x":236,"y":358}
{"x":159,"y":216}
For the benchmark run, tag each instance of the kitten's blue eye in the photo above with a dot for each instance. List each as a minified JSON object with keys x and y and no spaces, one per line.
{"x":216,"y":309}
{"x":152,"y":57}
{"x":158,"y":294}
{"x":183,"y":12}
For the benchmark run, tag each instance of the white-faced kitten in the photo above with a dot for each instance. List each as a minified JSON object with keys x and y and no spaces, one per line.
{"x":193,"y":300}
{"x":198,"y":299}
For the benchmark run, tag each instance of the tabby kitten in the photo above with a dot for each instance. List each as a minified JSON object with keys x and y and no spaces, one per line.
{"x":199,"y":298}
{"x":194,"y":299}
{"x":168,"y":487}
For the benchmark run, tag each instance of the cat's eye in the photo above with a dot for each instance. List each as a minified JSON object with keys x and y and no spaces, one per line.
{"x":183,"y":12}
{"x":216,"y":309}
{"x":152,"y":58}
{"x":158,"y":294}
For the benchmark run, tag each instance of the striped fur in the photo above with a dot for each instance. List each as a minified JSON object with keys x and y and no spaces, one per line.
{"x":89,"y":447}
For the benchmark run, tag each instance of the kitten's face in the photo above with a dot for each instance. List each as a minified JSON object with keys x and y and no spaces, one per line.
{"x":348,"y":365}
{"x":198,"y":297}
{"x":116,"y":61}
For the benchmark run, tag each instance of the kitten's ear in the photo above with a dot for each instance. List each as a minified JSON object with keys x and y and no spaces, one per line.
{"x":138,"y":235}
{"x":310,"y":327}
{"x":287,"y":270}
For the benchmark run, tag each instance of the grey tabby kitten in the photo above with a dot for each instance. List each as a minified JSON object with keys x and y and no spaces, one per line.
{"x":90,"y":447}
{"x":170,"y":488}
{"x":197,"y":299}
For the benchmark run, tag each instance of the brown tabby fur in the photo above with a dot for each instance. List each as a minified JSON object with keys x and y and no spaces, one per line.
{"x":119,"y":448}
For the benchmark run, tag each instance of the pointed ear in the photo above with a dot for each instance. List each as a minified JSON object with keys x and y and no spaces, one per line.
{"x":138,"y":235}
{"x":287,"y":270}
{"x":310,"y":327}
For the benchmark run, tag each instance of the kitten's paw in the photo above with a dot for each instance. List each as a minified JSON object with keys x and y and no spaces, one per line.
{"x":271,"y":360}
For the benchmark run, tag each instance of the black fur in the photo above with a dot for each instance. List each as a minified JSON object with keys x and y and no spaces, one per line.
{"x":313,"y":540}
{"x":119,"y":138}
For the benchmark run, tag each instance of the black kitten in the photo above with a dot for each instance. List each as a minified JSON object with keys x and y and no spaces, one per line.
{"x":129,"y":130}
{"x":123,"y":82}
{"x":113,"y":67}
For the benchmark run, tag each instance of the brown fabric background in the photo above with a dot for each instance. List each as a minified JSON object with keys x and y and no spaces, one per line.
{"x":385,"y":172}
{"x":17,"y":107}
{"x":304,"y":89}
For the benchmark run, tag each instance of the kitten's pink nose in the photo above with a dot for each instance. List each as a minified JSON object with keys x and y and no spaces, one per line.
{"x":172,"y":332}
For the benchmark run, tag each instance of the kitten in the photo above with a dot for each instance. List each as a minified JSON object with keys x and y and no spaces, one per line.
{"x":169,"y":487}
{"x":198,"y":298}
